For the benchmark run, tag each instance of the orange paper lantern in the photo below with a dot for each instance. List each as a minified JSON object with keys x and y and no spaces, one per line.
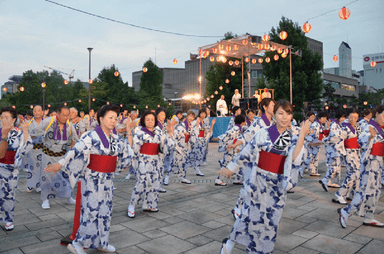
{"x":283,"y":55}
{"x":5,"y":89}
{"x":236,"y":47}
{"x":276,"y":57}
{"x":260,"y":46}
{"x":66,"y":82}
{"x":260,"y":60}
{"x":267,"y":59}
{"x":307,"y":27}
{"x":246,"y":59}
{"x":22,"y":89}
{"x":254,"y":60}
{"x":221,"y":87}
{"x":230,"y":62}
{"x":233,"y":73}
{"x":279,"y":50}
{"x":175,"y":61}
{"x":245,"y":42}
{"x":221,"y":46}
{"x":373,"y":64}
{"x":228,"y":48}
{"x":90,"y":81}
{"x":335,"y":58}
{"x":145,"y":69}
{"x":227,"y":81}
{"x":273,"y":48}
{"x":344,"y":13}
{"x":266,"y":37}
{"x":212,"y":58}
{"x":266,"y":46}
{"x":237,"y":62}
{"x":116,"y":74}
{"x":283,"y":35}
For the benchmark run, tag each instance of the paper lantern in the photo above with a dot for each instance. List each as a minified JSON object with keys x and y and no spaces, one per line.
{"x":237,"y":62}
{"x":245,"y":42}
{"x":66,"y":82}
{"x":116,"y":73}
{"x":344,"y":106}
{"x":365,"y":103}
{"x":212,"y":96}
{"x":233,"y":73}
{"x":246,"y":59}
{"x":214,"y":50}
{"x":43,"y":85}
{"x":276,"y":57}
{"x":260,"y":60}
{"x":145,"y":69}
{"x":335,"y":58}
{"x":236,"y":47}
{"x":121,"y":105}
{"x":344,"y":13}
{"x":49,"y":105}
{"x":90,"y":81}
{"x":221,"y":87}
{"x":221,"y":46}
{"x":373,"y":64}
{"x":93,"y":99}
{"x":107,"y":102}
{"x":230,"y":62}
{"x":212,"y":58}
{"x":200,"y":52}
{"x":13,"y":106}
{"x":207,"y":53}
{"x":175,"y":61}
{"x":307,"y":27}
{"x":31,"y":106}
{"x":216,"y":92}
{"x":284,"y":55}
{"x":158,"y":105}
{"x":273,"y":48}
{"x":266,"y":37}
{"x":267,"y":59}
{"x":286,"y":51}
{"x":266,"y":46}
{"x":227,"y":81}
{"x":5,"y":89}
{"x":65,"y":104}
{"x":80,"y":101}
{"x":134,"y":106}
{"x":260,"y":46}
{"x":22,"y":89}
{"x":254,"y":60}
{"x":283,"y":35}
{"x":228,"y":48}
{"x":279,"y":50}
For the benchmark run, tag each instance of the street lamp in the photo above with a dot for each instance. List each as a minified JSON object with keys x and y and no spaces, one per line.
{"x":89,"y":90}
{"x":43,"y":85}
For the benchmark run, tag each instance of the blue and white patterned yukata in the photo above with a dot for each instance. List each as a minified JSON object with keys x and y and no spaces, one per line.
{"x":97,"y":187}
{"x":54,"y":185}
{"x":9,"y":173}
{"x":256,"y":227}
{"x":366,"y":198}
{"x":197,"y":150}
{"x":312,"y":160}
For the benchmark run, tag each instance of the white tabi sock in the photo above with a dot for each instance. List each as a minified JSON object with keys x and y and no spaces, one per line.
{"x":229,"y":247}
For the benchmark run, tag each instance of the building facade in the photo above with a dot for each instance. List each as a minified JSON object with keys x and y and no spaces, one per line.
{"x":345,"y":60}
{"x":11,"y":85}
{"x":374,"y":76}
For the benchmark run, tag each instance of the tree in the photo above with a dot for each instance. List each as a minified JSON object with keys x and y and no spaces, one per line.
{"x":99,"y":90}
{"x":307,"y":82}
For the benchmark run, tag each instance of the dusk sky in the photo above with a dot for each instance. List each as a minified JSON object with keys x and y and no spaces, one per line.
{"x":37,"y":33}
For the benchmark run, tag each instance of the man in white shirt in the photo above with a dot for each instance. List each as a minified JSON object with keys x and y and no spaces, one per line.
{"x":266,"y":94}
{"x":236,"y":98}
{"x":257,"y":96}
{"x":221,"y":106}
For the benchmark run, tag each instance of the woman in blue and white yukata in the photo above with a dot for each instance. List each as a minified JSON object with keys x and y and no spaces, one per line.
{"x":182,"y":136}
{"x":76,"y":121}
{"x":199,"y":138}
{"x":349,"y":134}
{"x":207,"y":127}
{"x":249,"y":118}
{"x":236,"y":111}
{"x":334,"y":149}
{"x":314,"y":143}
{"x":147,"y":143}
{"x":164,"y":158}
{"x":94,"y":160}
{"x":366,"y":198}
{"x":14,"y":145}
{"x":275,"y":155}
{"x":266,"y":106}
{"x":230,"y":137}
{"x":59,"y":134}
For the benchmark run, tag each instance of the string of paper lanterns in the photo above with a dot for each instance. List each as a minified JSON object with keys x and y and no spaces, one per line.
{"x":344,"y":14}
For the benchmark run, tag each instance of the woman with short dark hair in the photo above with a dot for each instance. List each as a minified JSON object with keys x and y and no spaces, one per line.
{"x":14,"y":145}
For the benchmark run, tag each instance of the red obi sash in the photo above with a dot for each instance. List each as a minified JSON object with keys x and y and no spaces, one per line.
{"x":326,"y":132}
{"x":9,"y":157}
{"x":271,"y":162}
{"x":187,"y":136}
{"x":378,"y":149}
{"x":351,"y":143}
{"x":201,"y":134}
{"x":234,"y":141}
{"x":102,"y":163}
{"x":150,"y":149}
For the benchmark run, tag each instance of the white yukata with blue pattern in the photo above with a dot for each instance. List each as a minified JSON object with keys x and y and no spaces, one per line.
{"x":164,"y":158}
{"x":197,"y":150}
{"x":366,"y":198}
{"x":147,"y":169}
{"x":35,"y":157}
{"x":54,"y":185}
{"x":9,"y":173}
{"x":334,"y":149}
{"x":256,"y":227}
{"x":352,"y":159}
{"x":96,"y":187}
{"x":207,"y":127}
{"x":312,"y":160}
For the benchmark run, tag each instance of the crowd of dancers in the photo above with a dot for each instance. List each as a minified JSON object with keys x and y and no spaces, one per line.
{"x":264,"y":151}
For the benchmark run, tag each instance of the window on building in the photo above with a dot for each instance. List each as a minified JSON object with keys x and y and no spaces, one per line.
{"x":348,"y":87}
{"x":254,"y":74}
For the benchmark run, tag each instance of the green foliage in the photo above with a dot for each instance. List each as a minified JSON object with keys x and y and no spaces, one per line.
{"x":98,"y":90}
{"x":329,"y":92}
{"x":307,"y":82}
{"x":298,"y":117}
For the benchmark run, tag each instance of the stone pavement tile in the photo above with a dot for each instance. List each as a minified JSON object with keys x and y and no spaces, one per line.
{"x":199,"y":216}
{"x":18,"y":229}
{"x":292,"y":213}
{"x":55,"y":208}
{"x":286,"y":241}
{"x":118,"y":227}
{"x":170,"y":209}
{"x":52,"y":246}
{"x":306,"y":218}
{"x":160,"y":215}
{"x":374,"y":246}
{"x":125,"y":238}
{"x":143,"y":225}
{"x":305,"y":233}
{"x":228,"y":220}
{"x":199,"y":240}
{"x":324,"y":214}
{"x":13,"y":251}
{"x":67,"y":216}
{"x":185,"y":229}
{"x":131,"y":249}
{"x":25,"y":241}
{"x":357,"y":238}
{"x":213,"y":224}
{"x":25,"y":218}
{"x":328,"y":244}
{"x":290,"y":226}
{"x":219,"y":197}
{"x":219,"y":234}
{"x":173,"y":220}
{"x":49,"y":217}
{"x":306,"y":199}
{"x":302,"y":250}
{"x":154,"y":234}
{"x":44,"y":224}
{"x":370,"y":232}
{"x":166,"y":245}
{"x":212,"y":247}
{"x":329,"y":228}
{"x":49,"y":236}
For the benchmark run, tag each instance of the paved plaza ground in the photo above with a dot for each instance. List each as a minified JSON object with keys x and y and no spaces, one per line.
{"x":193,"y":219}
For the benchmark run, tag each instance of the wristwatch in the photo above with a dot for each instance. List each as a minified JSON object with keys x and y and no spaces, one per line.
{"x":4,"y":139}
